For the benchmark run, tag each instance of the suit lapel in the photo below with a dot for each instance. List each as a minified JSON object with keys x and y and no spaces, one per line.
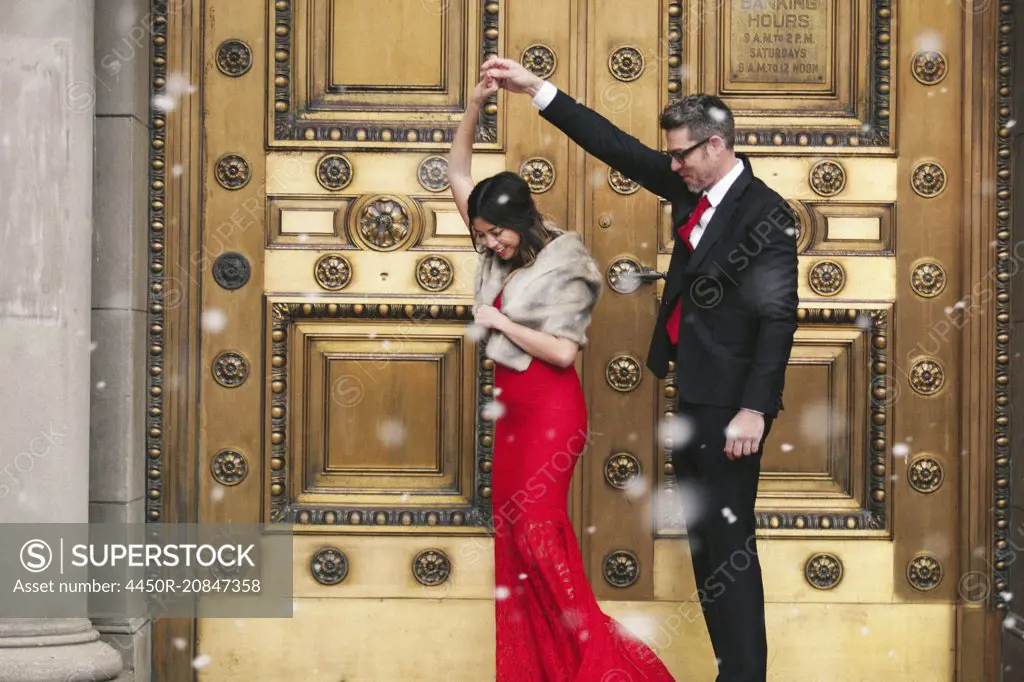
{"x":720,"y":219}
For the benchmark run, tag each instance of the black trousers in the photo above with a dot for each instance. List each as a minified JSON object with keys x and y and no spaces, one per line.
{"x":718,"y":503}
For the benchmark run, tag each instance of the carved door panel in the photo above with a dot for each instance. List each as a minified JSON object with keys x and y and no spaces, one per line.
{"x":337,"y":390}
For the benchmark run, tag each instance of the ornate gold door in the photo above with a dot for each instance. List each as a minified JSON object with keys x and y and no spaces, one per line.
{"x":325,"y":376}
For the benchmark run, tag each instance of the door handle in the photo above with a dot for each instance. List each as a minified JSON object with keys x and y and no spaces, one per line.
{"x":649,"y":275}
{"x":626,"y":275}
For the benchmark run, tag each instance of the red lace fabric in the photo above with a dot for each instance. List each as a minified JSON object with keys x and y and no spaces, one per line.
{"x":549,"y":625}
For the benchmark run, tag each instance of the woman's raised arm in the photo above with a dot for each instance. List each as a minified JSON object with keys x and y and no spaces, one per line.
{"x":460,"y":160}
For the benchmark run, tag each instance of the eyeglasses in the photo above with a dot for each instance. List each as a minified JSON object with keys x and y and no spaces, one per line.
{"x":680,"y":155}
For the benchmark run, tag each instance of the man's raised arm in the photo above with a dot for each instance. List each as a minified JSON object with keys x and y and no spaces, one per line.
{"x":596,"y":134}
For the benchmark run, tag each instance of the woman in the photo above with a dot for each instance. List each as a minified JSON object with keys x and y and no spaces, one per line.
{"x":535,"y":290}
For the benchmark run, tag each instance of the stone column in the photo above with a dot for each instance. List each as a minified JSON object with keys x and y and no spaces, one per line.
{"x":47,"y":98}
{"x":124,"y":34}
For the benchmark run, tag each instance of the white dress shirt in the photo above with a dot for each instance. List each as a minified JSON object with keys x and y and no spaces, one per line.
{"x":545,"y":95}
{"x":715,"y":196}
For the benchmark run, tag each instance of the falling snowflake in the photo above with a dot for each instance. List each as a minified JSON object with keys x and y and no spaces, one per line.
{"x":729,"y":516}
{"x":719,"y":115}
{"x":591,"y":530}
{"x":551,"y":433}
{"x":177,"y":170}
{"x":892,"y":652}
{"x":786,"y":447}
{"x":1007,"y":596}
{"x":201,"y":661}
{"x":214,"y":321}
{"x":502,"y":199}
{"x":865,"y":630}
{"x":928,"y":41}
{"x":1010,"y":622}
{"x":628,"y":282}
{"x":638,"y":489}
{"x":816,"y":420}
{"x":239,"y":623}
{"x":676,"y":431}
{"x":693,"y":501}
{"x":100,"y":385}
{"x":217,"y":494}
{"x":523,"y":576}
{"x":391,"y":432}
{"x":179,"y":643}
{"x":584,"y":635}
{"x":405,"y":497}
{"x":178,"y":84}
{"x":493,"y":411}
{"x":900,"y":450}
{"x":634,"y":625}
{"x":1012,"y":123}
{"x":501,"y":593}
{"x":163,"y":103}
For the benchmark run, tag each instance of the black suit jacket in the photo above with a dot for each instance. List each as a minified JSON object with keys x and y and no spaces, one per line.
{"x":738,"y":288}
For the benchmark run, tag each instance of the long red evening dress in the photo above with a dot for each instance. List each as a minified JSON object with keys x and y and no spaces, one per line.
{"x":549,"y":625}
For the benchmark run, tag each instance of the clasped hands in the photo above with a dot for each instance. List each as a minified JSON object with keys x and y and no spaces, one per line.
{"x":510,"y":75}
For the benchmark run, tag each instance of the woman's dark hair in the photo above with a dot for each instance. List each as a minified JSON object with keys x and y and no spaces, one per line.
{"x":505,"y":201}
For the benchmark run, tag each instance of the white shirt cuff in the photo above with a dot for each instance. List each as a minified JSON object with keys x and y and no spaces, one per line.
{"x":545,"y":96}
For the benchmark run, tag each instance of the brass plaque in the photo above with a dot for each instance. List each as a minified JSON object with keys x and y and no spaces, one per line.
{"x":788,"y":44}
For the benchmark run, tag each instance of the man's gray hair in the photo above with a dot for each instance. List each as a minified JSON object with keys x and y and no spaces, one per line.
{"x":704,"y":115}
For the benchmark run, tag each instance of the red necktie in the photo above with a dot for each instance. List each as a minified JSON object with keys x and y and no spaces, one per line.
{"x":672,"y":326}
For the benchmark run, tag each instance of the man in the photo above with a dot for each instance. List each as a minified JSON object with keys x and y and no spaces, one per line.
{"x":727,"y":318}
